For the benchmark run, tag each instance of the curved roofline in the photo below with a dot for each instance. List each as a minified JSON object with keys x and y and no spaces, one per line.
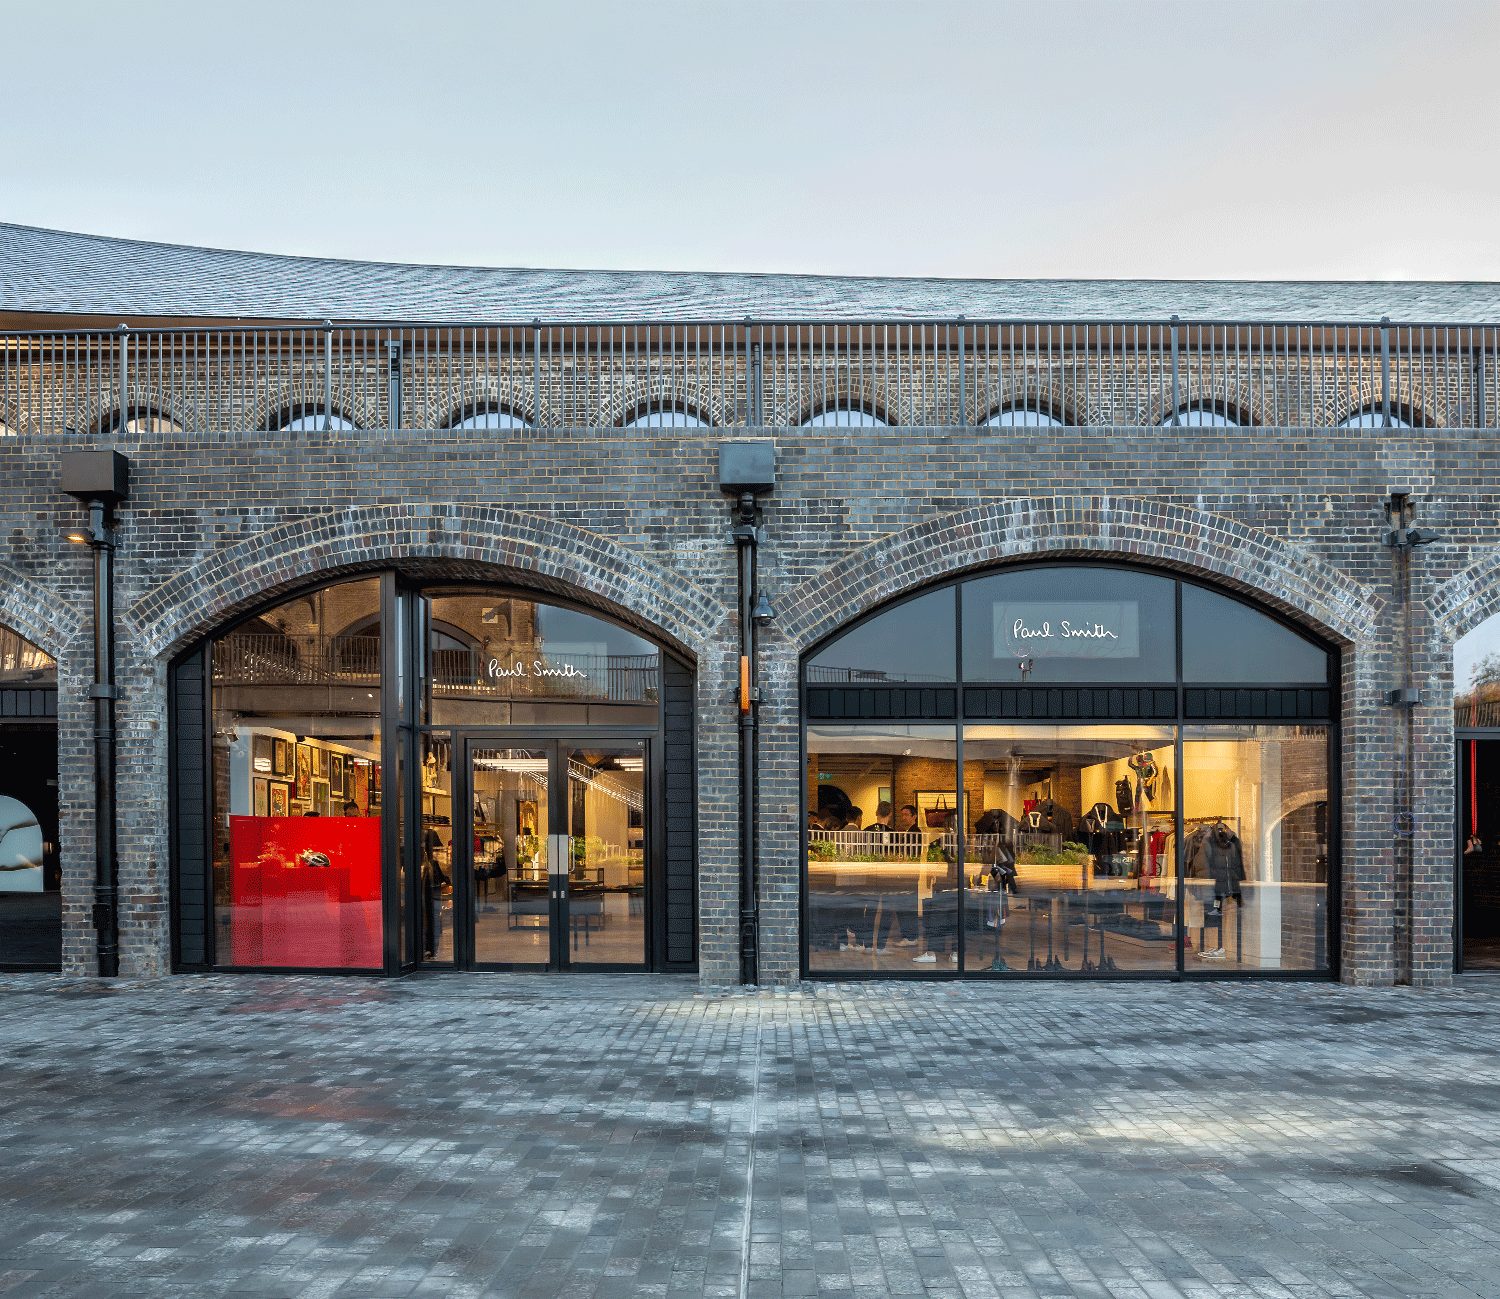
{"x":48,"y":276}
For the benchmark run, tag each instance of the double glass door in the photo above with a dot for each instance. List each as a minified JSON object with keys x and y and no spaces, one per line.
{"x":542,"y":861}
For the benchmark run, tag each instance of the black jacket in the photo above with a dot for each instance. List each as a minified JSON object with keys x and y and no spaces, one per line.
{"x":1053,"y":817}
{"x":1214,"y":852}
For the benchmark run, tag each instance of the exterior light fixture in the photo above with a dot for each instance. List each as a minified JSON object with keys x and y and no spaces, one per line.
{"x":763,"y":613}
{"x":101,"y":479}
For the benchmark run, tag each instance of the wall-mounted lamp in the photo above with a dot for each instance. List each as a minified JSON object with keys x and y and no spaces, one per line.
{"x":763,"y":613}
{"x":1400,"y":511}
{"x":101,"y":479}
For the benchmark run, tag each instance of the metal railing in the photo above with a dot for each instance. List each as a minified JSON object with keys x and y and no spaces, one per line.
{"x":509,"y":378}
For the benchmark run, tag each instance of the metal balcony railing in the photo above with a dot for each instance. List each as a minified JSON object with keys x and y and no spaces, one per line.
{"x":512,"y":378}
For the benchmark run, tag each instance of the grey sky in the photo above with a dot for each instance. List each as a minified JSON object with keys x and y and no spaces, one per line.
{"x":1256,"y":140}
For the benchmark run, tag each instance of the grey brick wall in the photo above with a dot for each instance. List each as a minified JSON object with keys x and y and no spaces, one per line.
{"x":632,"y":521}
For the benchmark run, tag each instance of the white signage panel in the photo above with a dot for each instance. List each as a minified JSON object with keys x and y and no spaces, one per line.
{"x":1067,"y":629}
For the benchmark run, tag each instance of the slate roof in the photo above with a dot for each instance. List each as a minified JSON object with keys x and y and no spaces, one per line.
{"x":56,"y":273}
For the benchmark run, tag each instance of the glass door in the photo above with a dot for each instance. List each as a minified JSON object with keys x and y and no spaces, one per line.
{"x":606,"y":879}
{"x":512,"y":845}
{"x":549,"y":854}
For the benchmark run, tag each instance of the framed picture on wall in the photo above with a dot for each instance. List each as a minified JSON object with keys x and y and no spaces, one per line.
{"x":336,"y":773}
{"x":320,"y":761}
{"x":263,"y":755}
{"x":361,"y":793}
{"x":320,"y":798}
{"x":304,"y":772}
{"x":374,"y":778}
{"x":278,"y":761}
{"x":281,"y":798}
{"x":262,"y":804}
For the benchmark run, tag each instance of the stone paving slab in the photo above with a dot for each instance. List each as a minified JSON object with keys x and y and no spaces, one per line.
{"x":591,"y":1137}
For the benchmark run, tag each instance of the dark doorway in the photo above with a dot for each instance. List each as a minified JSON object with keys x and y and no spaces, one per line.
{"x":30,"y":872}
{"x":1479,"y":853}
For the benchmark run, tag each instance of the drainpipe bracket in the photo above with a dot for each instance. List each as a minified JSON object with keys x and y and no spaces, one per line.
{"x":104,"y":692}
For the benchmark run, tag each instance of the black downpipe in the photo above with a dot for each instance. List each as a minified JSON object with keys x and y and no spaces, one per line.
{"x":749,"y":695}
{"x":106,"y":860}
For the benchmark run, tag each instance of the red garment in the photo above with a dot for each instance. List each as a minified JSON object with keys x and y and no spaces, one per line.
{"x":1155,"y":842}
{"x":1029,"y":805}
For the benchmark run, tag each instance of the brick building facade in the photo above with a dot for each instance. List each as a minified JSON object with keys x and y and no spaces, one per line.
{"x":231,"y":512}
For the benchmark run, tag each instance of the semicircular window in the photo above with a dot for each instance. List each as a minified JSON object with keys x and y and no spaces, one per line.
{"x":23,"y":663}
{"x":665,"y":418}
{"x":1023,"y":417}
{"x":316,"y":423}
{"x":844,"y":417}
{"x":1374,"y":419}
{"x":1200,"y":417}
{"x":485,"y":419}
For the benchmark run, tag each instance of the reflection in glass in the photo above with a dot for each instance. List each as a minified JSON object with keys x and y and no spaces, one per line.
{"x":298,"y":784}
{"x":1038,"y":625}
{"x":912,"y":641}
{"x":22,"y":663}
{"x":607,"y":876}
{"x":439,"y":862}
{"x":1479,"y":834}
{"x":512,"y":908}
{"x":1476,"y":675}
{"x":844,"y":417}
{"x":882,"y":849}
{"x":30,"y":868}
{"x":1224,"y":640}
{"x":1255,"y":860}
{"x":1068,"y":862}
{"x":489,"y":651}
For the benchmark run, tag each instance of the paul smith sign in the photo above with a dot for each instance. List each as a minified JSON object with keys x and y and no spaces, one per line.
{"x":1087,"y":629}
{"x":500,"y":671}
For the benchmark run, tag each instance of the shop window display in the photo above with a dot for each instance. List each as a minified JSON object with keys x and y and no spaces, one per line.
{"x":1069,"y":862}
{"x":1114,"y":845}
{"x":1255,"y":856}
{"x":883,"y":849}
{"x":298,"y":786}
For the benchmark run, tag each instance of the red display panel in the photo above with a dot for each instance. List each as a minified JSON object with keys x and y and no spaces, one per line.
{"x":289,"y":908}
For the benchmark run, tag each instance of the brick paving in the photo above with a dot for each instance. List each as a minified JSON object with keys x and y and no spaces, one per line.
{"x":504,"y":1135}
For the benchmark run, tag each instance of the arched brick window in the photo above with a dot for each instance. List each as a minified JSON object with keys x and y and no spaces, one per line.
{"x":844,"y":417}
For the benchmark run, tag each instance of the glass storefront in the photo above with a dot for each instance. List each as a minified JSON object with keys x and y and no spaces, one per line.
{"x":519,"y":830}
{"x":30,"y":867}
{"x":1170,"y":826}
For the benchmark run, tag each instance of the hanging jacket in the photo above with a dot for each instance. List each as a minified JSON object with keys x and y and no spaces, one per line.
{"x":1053,"y":817}
{"x":1214,"y":853}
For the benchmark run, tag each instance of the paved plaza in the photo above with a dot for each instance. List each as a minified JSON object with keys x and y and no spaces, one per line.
{"x":475,"y":1135}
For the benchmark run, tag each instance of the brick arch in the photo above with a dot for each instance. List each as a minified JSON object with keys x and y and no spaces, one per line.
{"x":489,"y":392}
{"x":32,"y":611}
{"x":843,"y":395}
{"x":455,"y":541}
{"x":1468,"y":598}
{"x":1195,"y":542}
{"x":662,"y":392}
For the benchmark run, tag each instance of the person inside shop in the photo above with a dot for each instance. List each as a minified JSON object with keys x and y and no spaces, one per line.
{"x":881,"y":826}
{"x":351,"y":808}
{"x":433,"y":881}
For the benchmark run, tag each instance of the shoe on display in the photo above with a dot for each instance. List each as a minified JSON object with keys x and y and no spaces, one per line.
{"x":926,"y":958}
{"x":952,"y":958}
{"x":904,"y":942}
{"x":1217,"y":954}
